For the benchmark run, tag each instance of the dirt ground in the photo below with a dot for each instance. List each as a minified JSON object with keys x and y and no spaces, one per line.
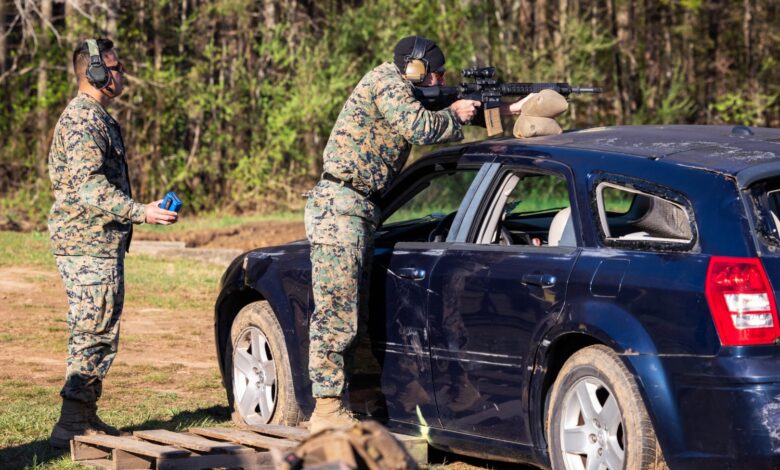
{"x":166,"y":355}
{"x":243,"y":237}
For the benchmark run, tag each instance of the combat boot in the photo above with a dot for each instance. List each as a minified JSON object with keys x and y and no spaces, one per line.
{"x":72,"y":422}
{"x":330,"y":413}
{"x":96,"y":425}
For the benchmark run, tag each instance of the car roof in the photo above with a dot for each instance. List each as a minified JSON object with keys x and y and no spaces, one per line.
{"x":724,"y":149}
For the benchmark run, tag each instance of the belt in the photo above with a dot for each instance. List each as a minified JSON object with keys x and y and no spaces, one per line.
{"x":348,"y":184}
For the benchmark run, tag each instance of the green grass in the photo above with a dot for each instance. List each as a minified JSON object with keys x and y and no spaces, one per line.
{"x":25,"y":249}
{"x":135,"y":396}
{"x":217,"y":220}
{"x":154,"y":282}
{"x":29,"y":412}
{"x":171,"y":283}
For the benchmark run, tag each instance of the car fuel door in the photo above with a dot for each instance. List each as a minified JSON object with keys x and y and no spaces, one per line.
{"x":491,"y":294}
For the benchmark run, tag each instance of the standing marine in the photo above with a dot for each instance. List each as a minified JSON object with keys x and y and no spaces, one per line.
{"x":368,"y":146}
{"x":90,"y":224}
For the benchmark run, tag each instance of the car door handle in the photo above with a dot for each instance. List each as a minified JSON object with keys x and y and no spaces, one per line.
{"x":544,"y":281}
{"x":412,"y":273}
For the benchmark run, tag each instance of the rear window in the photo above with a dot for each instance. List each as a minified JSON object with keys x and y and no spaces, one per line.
{"x":640,"y":215}
{"x":766,"y":197}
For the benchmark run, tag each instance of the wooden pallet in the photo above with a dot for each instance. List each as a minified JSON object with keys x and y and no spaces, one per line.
{"x":200,"y":448}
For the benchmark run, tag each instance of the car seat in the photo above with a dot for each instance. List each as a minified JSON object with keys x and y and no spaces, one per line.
{"x":561,"y":232}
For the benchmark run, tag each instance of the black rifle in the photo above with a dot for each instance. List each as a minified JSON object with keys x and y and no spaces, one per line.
{"x":487,"y":90}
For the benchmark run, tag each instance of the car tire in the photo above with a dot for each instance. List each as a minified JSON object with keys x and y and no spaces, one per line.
{"x":596,"y":412}
{"x":257,"y":369}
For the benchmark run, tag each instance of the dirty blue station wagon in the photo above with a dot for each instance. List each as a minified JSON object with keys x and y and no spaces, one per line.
{"x":600,"y":299}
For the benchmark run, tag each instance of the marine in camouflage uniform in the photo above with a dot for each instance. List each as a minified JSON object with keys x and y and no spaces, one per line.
{"x":368,"y":146}
{"x":90,"y":224}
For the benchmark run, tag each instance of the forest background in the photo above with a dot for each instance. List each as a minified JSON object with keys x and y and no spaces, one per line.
{"x":230,"y":102}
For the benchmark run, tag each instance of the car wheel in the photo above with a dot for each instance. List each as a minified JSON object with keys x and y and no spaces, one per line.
{"x":597,"y":419}
{"x":259,"y":382}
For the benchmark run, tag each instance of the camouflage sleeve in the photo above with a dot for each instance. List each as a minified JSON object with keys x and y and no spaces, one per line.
{"x":407,"y":115}
{"x":86,"y":144}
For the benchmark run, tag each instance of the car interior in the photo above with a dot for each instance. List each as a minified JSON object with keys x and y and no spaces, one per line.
{"x":529,"y":209}
{"x":629,"y":214}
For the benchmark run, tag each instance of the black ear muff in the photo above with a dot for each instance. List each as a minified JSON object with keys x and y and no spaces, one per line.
{"x":97,"y":73}
{"x":416,"y":65}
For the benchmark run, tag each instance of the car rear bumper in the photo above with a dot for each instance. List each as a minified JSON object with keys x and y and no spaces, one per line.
{"x":717,"y":412}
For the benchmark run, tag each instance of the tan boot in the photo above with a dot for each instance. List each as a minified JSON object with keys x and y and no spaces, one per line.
{"x":72,"y":422}
{"x":330,"y":413}
{"x":96,"y":425}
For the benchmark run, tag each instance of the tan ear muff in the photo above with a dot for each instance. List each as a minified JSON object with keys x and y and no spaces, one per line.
{"x":415,"y":71}
{"x":416,"y":66}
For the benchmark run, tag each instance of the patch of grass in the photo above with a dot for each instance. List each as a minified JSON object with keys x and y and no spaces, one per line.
{"x":171,"y":284}
{"x":218,"y":220}
{"x":29,"y":249}
{"x":135,"y":396}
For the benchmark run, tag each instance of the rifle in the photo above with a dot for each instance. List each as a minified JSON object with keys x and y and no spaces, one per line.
{"x":488,"y":90}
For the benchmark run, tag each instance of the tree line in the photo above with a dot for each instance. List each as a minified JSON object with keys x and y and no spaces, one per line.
{"x":230,"y":102}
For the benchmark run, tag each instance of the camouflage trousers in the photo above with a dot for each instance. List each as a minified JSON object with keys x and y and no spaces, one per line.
{"x":96,"y":292}
{"x":340,"y":226}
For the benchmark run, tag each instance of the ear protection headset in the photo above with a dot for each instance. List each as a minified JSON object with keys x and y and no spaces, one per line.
{"x":97,"y":72}
{"x":416,"y":65}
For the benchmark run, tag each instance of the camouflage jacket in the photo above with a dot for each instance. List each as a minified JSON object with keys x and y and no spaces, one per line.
{"x":93,"y":209}
{"x":375,"y":130}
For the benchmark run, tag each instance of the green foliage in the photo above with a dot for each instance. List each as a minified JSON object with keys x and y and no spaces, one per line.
{"x":739,"y":107}
{"x":230,"y":102}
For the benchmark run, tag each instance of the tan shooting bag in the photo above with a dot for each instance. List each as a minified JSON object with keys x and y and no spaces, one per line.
{"x":537,"y":113}
{"x":367,"y":445}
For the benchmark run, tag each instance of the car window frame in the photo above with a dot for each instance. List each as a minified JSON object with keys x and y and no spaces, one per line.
{"x":401,"y":191}
{"x":650,"y":188}
{"x":536,"y":164}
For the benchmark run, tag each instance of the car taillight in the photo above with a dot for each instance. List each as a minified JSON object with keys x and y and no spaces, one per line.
{"x":741,"y":301}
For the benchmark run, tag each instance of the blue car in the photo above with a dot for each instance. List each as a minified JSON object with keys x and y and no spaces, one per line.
{"x":599,"y":299}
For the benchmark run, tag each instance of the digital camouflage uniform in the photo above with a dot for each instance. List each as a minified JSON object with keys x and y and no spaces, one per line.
{"x":90,"y":224}
{"x":368,"y":146}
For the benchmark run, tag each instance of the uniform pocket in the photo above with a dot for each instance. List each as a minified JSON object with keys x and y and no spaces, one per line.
{"x":96,"y":309}
{"x":97,"y":286}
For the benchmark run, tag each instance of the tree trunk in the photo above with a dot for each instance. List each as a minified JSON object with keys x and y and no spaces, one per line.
{"x":70,"y":39}
{"x":560,"y":38}
{"x":542,"y":30}
{"x":3,"y":52}
{"x":42,"y":114}
{"x":111,"y":19}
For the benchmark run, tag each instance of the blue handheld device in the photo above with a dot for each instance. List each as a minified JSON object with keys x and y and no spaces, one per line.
{"x":171,"y":202}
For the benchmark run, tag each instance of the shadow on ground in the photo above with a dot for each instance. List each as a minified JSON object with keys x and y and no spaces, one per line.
{"x":39,"y":452}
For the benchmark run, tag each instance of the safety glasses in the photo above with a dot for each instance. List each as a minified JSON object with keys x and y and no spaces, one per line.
{"x":119,"y":67}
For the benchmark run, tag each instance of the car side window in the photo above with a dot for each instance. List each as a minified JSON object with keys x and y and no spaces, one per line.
{"x":429,"y":209}
{"x":529,"y":209}
{"x":633,"y":217}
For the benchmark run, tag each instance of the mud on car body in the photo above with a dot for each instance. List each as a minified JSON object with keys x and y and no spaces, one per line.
{"x":602,"y":298}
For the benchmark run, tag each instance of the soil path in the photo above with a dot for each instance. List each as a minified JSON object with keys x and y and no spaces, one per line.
{"x":244,"y":237}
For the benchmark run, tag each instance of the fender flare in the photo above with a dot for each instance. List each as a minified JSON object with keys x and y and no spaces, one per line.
{"x":603,"y":322}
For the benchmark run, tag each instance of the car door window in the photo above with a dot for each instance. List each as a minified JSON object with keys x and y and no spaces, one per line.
{"x":631,"y":214}
{"x":428,"y":208}
{"x":529,"y":209}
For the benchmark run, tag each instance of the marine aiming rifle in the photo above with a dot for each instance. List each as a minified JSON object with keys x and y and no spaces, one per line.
{"x":486,"y":89}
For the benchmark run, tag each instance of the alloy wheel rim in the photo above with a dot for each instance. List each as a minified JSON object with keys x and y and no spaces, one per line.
{"x":592,"y":432}
{"x":254,"y":377}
